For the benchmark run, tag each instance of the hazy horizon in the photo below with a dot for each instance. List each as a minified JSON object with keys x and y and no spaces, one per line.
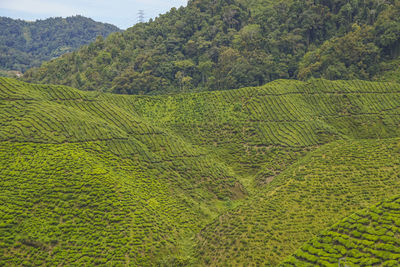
{"x":121,"y":13}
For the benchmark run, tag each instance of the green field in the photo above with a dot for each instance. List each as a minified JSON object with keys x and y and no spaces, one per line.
{"x":323,"y":187}
{"x":365,"y":238}
{"x":218,"y":178}
{"x":88,"y":182}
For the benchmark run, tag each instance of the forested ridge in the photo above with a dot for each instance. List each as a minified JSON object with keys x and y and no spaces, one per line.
{"x":25,"y":44}
{"x":226,"y":44}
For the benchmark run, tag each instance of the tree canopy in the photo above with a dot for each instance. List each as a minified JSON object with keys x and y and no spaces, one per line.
{"x":26,"y":44}
{"x":215,"y":44}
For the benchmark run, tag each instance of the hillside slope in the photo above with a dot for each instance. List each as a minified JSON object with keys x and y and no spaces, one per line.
{"x":322,"y":188}
{"x":229,"y":44}
{"x":80,"y":204}
{"x":24,"y":44}
{"x":90,"y":183}
{"x":280,"y":121}
{"x":367,"y":237}
{"x":152,"y":172}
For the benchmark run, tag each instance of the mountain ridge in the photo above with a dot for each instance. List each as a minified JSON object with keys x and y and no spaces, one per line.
{"x":27,"y":44}
{"x":215,"y":45}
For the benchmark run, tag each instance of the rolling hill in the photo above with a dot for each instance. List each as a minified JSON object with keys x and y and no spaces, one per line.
{"x":89,"y":182}
{"x":24,"y":44}
{"x":328,"y":184}
{"x":229,"y":44}
{"x":220,"y":177}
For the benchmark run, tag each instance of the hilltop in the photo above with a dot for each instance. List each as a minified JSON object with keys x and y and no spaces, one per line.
{"x":24,"y":44}
{"x":228,"y":44}
{"x":220,"y":177}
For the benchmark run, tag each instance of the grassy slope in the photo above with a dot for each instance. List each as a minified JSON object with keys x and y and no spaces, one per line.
{"x":325,"y":186}
{"x":263,"y":129}
{"x":198,"y":152}
{"x":78,"y":203}
{"x":148,"y":188}
{"x":367,"y":237}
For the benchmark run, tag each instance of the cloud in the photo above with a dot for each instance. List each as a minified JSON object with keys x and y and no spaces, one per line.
{"x":39,"y":7}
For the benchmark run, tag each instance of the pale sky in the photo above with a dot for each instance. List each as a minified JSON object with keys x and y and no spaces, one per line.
{"x":122,"y":13}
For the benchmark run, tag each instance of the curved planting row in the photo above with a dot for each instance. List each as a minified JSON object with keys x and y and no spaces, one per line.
{"x":323,"y":187}
{"x":365,"y":238}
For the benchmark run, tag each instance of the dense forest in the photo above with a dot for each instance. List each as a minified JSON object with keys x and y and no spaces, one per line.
{"x":26,"y":44}
{"x":225,"y":44}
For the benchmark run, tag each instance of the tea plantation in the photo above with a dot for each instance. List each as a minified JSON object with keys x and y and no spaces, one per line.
{"x":76,"y":203}
{"x":235,"y":177}
{"x":323,"y":187}
{"x":365,"y":238}
{"x":86,"y":182}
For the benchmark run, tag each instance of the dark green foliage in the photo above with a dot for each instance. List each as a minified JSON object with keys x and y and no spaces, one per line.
{"x":25,"y":44}
{"x":214,"y":45}
{"x":354,"y":55}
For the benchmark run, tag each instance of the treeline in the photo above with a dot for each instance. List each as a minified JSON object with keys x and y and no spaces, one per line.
{"x":27,"y":44}
{"x":224,"y":44}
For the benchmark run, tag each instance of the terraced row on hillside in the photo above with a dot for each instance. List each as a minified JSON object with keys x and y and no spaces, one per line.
{"x":90,"y":183}
{"x":200,"y":155}
{"x":365,"y":238}
{"x":322,"y":188}
{"x":249,"y":126}
{"x":282,"y":113}
{"x":51,"y":114}
{"x":77,"y":203}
